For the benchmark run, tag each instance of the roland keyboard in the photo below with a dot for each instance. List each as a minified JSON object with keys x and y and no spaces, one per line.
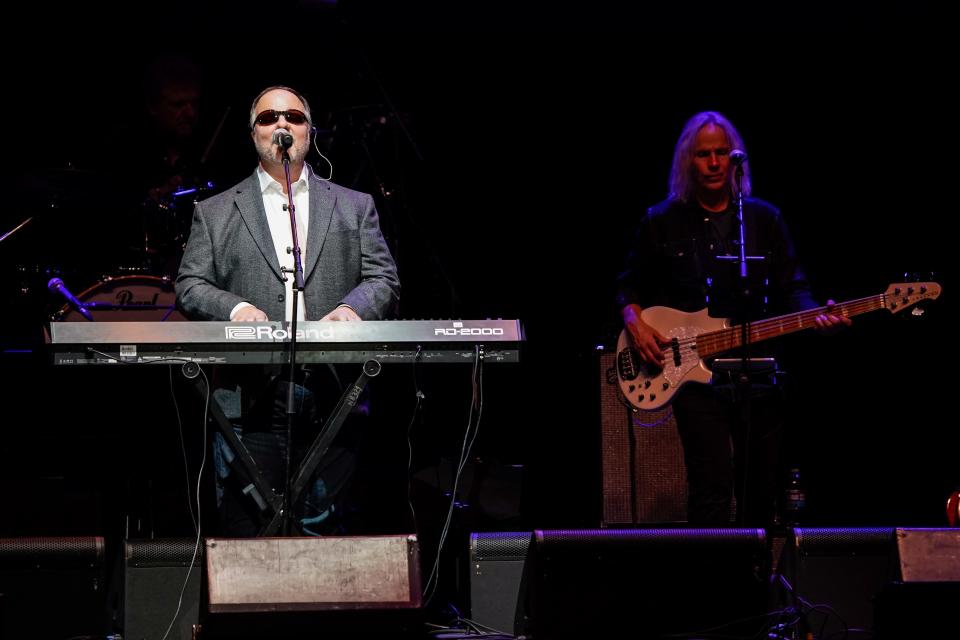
{"x":84,"y":343}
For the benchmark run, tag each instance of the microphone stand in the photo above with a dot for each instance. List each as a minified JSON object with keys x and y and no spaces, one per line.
{"x":746,"y":366}
{"x":744,"y":377}
{"x":292,"y":382}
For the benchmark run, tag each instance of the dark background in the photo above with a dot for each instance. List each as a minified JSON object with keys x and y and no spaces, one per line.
{"x":532,"y":138}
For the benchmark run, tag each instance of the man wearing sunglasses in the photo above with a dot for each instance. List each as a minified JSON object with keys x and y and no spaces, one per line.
{"x":233,"y":268}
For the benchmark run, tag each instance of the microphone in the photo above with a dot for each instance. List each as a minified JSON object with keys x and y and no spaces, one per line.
{"x":283,"y":138}
{"x":56,"y":285}
{"x":738,"y":157}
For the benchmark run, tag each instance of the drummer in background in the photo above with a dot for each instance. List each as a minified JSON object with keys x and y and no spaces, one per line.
{"x":171,"y":91}
{"x":167,"y":166}
{"x":168,"y":160}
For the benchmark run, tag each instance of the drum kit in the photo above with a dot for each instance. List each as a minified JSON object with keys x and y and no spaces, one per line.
{"x":60,"y":236}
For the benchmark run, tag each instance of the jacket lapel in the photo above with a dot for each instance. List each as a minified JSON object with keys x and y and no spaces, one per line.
{"x":250,"y":204}
{"x":321,"y":213}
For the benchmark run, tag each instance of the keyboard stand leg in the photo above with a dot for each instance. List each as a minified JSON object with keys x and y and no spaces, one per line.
{"x":323,"y":441}
{"x":244,"y":464}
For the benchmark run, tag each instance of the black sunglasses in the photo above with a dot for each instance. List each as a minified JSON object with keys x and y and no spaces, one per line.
{"x":270,"y":117}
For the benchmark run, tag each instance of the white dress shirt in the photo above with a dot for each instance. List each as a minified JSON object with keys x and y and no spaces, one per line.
{"x":274,"y":202}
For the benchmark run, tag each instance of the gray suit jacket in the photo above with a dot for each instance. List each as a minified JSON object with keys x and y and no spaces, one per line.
{"x":230,"y":257}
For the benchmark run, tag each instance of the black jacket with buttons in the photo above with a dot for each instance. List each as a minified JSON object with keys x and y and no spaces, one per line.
{"x":674,"y":263}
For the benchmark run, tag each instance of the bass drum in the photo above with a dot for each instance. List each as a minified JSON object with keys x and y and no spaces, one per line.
{"x":135,"y":298}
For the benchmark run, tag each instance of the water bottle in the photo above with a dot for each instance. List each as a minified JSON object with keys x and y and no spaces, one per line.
{"x":794,"y":499}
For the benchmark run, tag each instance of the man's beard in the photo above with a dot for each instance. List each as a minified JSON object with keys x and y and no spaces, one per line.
{"x":269,"y":155}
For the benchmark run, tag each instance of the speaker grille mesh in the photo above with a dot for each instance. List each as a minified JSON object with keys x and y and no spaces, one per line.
{"x":877,"y":540}
{"x":499,"y":546}
{"x":663,"y":537}
{"x":51,"y":552}
{"x":170,"y":552}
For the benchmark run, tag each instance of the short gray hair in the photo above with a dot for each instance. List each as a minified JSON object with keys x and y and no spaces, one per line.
{"x":306,"y":105}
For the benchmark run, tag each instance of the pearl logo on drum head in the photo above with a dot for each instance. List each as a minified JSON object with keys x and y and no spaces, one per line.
{"x":133,"y":298}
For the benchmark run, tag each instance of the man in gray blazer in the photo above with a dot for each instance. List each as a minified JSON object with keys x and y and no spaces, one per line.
{"x":231,"y":268}
{"x":238,"y":264}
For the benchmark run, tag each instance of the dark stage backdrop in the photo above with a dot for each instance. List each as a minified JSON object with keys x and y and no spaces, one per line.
{"x":519,"y":147}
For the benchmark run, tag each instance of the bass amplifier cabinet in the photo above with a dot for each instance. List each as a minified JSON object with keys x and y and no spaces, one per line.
{"x":644,"y":477}
{"x":52,"y":587}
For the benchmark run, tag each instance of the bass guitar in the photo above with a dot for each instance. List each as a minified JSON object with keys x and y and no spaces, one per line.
{"x":695,"y":337}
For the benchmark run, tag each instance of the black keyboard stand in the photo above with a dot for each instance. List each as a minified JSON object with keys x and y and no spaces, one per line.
{"x":245,"y":465}
{"x":371,"y":368}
